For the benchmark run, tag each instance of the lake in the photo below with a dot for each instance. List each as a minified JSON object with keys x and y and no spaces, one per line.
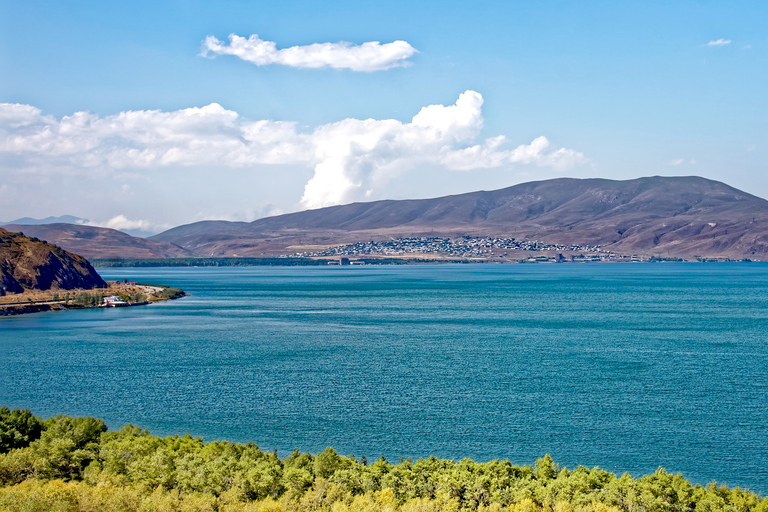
{"x":624,"y":366}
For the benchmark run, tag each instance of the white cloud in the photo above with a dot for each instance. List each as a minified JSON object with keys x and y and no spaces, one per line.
{"x":123,"y":223}
{"x":356,"y":158}
{"x":370,"y":56}
{"x":353,"y":159}
{"x":490,"y":155}
{"x":680,"y":161}
{"x":719,"y":42}
{"x":209,"y":135}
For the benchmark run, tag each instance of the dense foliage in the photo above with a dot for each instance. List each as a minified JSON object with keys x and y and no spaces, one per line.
{"x":75,"y":464}
{"x":18,"y":429}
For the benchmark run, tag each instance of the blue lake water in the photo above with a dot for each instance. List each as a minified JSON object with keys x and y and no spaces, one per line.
{"x":628,"y":367}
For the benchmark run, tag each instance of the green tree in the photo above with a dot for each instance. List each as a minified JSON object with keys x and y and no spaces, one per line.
{"x":326,"y":463}
{"x":297,"y":480}
{"x":545,"y":468}
{"x":66,"y":446}
{"x":18,"y":428}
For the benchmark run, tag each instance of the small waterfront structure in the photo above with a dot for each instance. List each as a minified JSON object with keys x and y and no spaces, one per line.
{"x":113,"y":301}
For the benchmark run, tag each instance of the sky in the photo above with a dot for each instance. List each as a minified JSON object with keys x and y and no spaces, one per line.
{"x":148,"y":115}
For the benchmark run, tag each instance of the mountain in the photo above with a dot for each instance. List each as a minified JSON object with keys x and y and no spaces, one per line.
{"x":93,"y":242}
{"x":68,"y":219}
{"x":71,"y":219}
{"x":28,"y":263}
{"x":662,"y":216}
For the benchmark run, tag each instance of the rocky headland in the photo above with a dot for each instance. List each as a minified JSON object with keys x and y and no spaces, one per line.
{"x":38,"y":276}
{"x":27,"y":263}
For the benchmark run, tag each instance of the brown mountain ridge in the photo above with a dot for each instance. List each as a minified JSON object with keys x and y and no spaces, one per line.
{"x":662,"y":216}
{"x":94,"y":242}
{"x":679,"y":217}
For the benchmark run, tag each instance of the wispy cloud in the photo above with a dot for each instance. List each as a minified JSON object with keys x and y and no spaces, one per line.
{"x":681,"y":161}
{"x":123,"y":223}
{"x":353,"y":159}
{"x":370,"y":56}
{"x":719,"y":42}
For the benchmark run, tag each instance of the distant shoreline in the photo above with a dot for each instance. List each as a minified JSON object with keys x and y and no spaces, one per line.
{"x":322,"y":262}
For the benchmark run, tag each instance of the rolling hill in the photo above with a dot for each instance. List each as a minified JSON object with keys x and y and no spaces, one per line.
{"x":662,"y":216}
{"x":678,"y":217}
{"x":92,"y":242}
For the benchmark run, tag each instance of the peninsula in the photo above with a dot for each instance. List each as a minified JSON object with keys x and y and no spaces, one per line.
{"x":38,"y":276}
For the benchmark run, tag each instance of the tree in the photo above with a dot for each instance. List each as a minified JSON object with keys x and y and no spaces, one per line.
{"x":326,"y":463}
{"x":66,"y":446}
{"x":545,"y":468}
{"x":18,"y":428}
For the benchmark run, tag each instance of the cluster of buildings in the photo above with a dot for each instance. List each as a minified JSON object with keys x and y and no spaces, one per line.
{"x":113,"y":301}
{"x":463,"y":247}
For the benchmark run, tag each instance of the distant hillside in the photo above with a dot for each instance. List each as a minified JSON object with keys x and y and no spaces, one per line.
{"x":68,"y":219}
{"x":93,"y":242}
{"x":28,"y":263}
{"x":664,"y":216}
{"x":71,"y":219}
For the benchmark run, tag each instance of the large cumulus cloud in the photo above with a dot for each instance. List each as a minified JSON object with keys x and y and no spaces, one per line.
{"x":353,"y":159}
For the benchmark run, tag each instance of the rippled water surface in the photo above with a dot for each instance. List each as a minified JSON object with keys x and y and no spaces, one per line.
{"x":628,"y":367}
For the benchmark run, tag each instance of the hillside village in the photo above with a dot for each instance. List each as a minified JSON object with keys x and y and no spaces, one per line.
{"x":472,"y":248}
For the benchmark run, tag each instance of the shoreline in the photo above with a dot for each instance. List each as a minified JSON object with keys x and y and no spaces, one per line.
{"x":379,"y":261}
{"x":38,"y":301}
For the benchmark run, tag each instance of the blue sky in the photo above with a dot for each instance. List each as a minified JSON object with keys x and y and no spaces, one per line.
{"x":584,"y":89}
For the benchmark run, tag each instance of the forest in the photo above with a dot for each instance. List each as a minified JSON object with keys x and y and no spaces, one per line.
{"x":73,"y":464}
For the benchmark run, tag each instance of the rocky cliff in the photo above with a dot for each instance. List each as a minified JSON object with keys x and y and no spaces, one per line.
{"x":31,"y":264}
